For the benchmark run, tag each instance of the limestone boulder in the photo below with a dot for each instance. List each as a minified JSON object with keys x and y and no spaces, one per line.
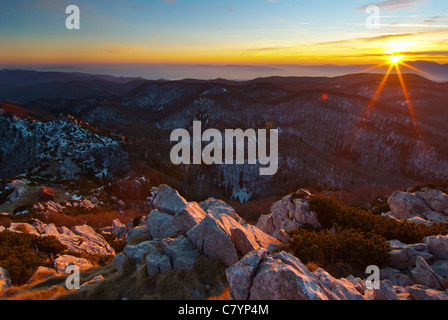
{"x":168,"y":200}
{"x":212,"y":238}
{"x":407,"y":205}
{"x":436,"y":200}
{"x":189,"y":217}
{"x":241,"y":274}
{"x":63,"y":261}
{"x":437,"y":246}
{"x":424,"y":275}
{"x":419,"y":292}
{"x":161,"y":225}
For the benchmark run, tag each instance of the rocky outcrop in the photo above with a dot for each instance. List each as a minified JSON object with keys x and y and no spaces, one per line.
{"x":212,"y":239}
{"x":260,"y":276}
{"x":168,"y":200}
{"x":241,"y":274}
{"x":180,"y":251}
{"x":160,"y":255}
{"x":436,"y":200}
{"x":404,"y":256}
{"x":424,"y":275}
{"x":429,"y":205}
{"x":288,"y":214}
{"x":78,"y":239}
{"x":161,"y":225}
{"x":137,"y":232}
{"x":60,"y":149}
{"x":216,"y":207}
{"x":86,"y":240}
{"x":119,"y":230}
{"x":419,"y":292}
{"x":63,"y":261}
{"x":188,"y":217}
{"x":22,"y":227}
{"x":437,"y":246}
{"x":157,"y":262}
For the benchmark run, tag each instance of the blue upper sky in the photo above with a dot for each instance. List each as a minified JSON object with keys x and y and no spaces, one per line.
{"x":221,"y":31}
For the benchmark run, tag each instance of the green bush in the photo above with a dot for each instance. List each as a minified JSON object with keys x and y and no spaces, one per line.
{"x":21,"y":254}
{"x":332,"y":213}
{"x":350,"y":246}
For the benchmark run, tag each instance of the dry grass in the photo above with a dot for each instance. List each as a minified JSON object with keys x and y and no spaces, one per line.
{"x":43,"y":285}
{"x":139,"y":239}
{"x":200,"y":282}
{"x":98,"y":219}
{"x":23,"y":294}
{"x":205,"y":280}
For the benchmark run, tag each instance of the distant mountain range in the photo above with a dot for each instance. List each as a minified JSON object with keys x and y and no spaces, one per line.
{"x":328,"y":134}
{"x":26,"y":85}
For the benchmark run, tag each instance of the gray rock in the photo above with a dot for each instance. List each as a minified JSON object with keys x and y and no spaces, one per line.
{"x":156,"y":262}
{"x":119,"y":261}
{"x":137,"y":232}
{"x":240,"y":275}
{"x":436,"y":199}
{"x":265,"y":223}
{"x":138,"y":253}
{"x":263,"y":239}
{"x":287,"y":214}
{"x":396,"y":277}
{"x":51,"y":230}
{"x":243,"y":241}
{"x":189,"y":217}
{"x":93,"y":243}
{"x":216,"y":207}
{"x":441,"y":268}
{"x":22,"y":227}
{"x":168,"y":200}
{"x":386,"y":291}
{"x":435,"y":216}
{"x":181,"y":252}
{"x":341,"y":289}
{"x":403,"y":256}
{"x":407,"y":205}
{"x":39,"y":225}
{"x":211,"y":238}
{"x":63,"y":261}
{"x":161,"y":225}
{"x":119,"y":230}
{"x":437,"y":246}
{"x":419,"y":292}
{"x":424,"y":275}
{"x":277,"y":280}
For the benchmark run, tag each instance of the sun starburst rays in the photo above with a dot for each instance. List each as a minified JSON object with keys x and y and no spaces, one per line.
{"x":394,"y":63}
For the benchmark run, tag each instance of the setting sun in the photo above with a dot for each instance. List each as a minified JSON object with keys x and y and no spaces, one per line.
{"x":395,"y":59}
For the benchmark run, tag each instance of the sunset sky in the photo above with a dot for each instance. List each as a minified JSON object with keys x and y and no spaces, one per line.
{"x":245,"y":32}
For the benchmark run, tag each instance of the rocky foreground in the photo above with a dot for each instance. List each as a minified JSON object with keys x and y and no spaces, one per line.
{"x":176,"y":233}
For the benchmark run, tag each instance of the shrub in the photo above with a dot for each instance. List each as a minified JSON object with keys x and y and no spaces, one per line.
{"x":350,"y":246}
{"x":21,"y":254}
{"x":332,"y":213}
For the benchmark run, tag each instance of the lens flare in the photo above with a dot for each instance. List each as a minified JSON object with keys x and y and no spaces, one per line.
{"x":395,"y":59}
